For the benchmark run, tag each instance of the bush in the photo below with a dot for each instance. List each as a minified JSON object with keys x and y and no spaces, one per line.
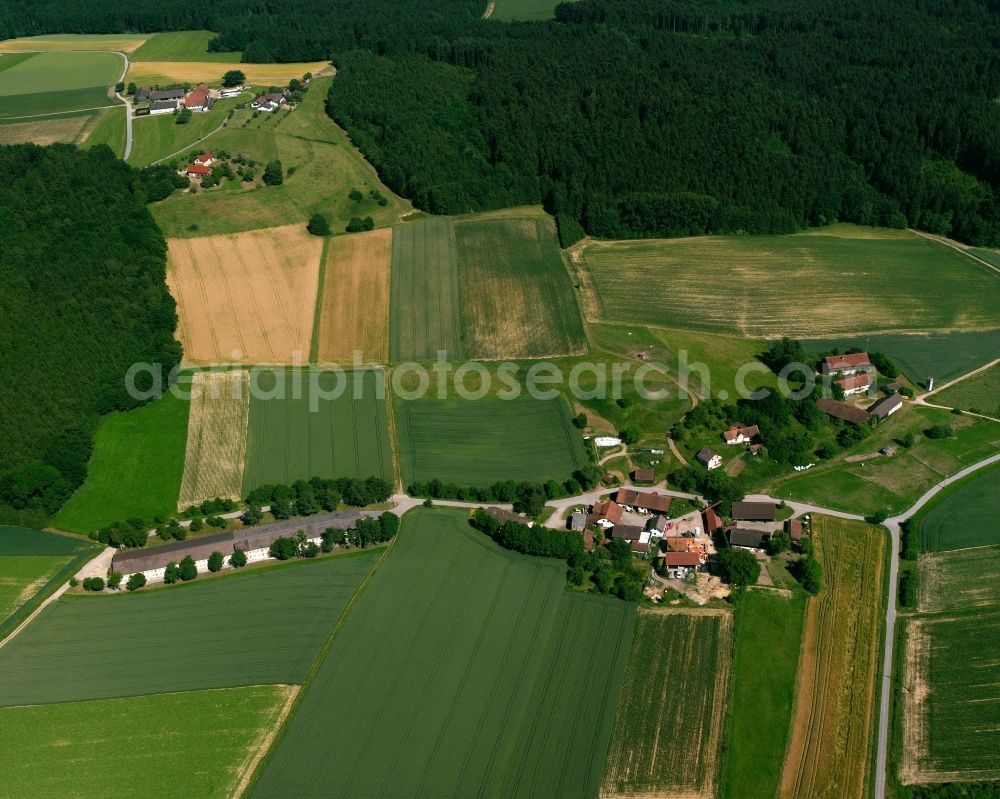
{"x":196,"y":525}
{"x":319,"y":225}
{"x":233,"y":77}
{"x":355,"y":195}
{"x":115,"y":580}
{"x":779,"y":542}
{"x":215,"y":562}
{"x":238,"y":559}
{"x":93,"y":584}
{"x":273,"y":175}
{"x":580,"y":421}
{"x":908,"y":549}
{"x":908,"y":588}
{"x":73,"y":582}
{"x":171,"y":574}
{"x":187,"y":570}
{"x":356,"y":225}
{"x":738,"y":567}
{"x":135,"y":581}
{"x":284,"y":548}
{"x":216,"y":521}
{"x":938,"y":431}
{"x":809,"y":573}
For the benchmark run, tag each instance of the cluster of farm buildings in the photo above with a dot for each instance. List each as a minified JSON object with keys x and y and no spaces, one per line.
{"x":255,"y":542}
{"x":200,"y":99}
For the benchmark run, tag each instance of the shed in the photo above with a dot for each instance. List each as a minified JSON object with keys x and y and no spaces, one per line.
{"x":742,"y":538}
{"x":754,"y":511}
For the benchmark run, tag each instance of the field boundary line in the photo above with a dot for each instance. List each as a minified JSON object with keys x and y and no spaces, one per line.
{"x":280,"y":731}
{"x":62,"y":113}
{"x":245,"y":771}
{"x":957,"y":248}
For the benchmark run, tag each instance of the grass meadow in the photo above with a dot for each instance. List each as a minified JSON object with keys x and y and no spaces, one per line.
{"x":958,"y":579}
{"x":943,"y":356}
{"x":954,"y":519}
{"x":321,"y":167}
{"x":135,"y":470}
{"x":517,"y":297}
{"x":426,"y":309}
{"x":345,"y":436}
{"x":181,"y":46}
{"x":765,"y":664}
{"x":109,"y":129}
{"x":478,"y":442}
{"x":507,"y":10}
{"x":672,"y":709}
{"x":869,"y":481}
{"x":951,"y":727}
{"x":57,"y":82}
{"x":828,"y":751}
{"x":80,"y":748}
{"x":263,"y":626}
{"x":34,"y":563}
{"x":414,"y":699}
{"x":979,"y":393}
{"x":857,"y":280}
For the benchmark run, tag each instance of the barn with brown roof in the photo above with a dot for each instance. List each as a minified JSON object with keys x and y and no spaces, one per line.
{"x":843,"y":411}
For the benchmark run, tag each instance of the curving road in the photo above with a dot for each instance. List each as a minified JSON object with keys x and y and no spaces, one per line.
{"x":128,"y":112}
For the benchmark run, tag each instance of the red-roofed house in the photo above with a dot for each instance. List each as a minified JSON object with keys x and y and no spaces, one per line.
{"x":205,"y":159}
{"x":605,"y":514}
{"x":846,"y":364}
{"x":740,"y":435}
{"x":712,"y":521}
{"x":197,"y":98}
{"x":855,"y":384}
{"x":198,"y":171}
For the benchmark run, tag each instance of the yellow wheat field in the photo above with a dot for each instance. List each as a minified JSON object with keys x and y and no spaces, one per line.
{"x":121,"y":42}
{"x":261,"y":75}
{"x":217,"y":437}
{"x":246,"y":298}
{"x":355,"y":309}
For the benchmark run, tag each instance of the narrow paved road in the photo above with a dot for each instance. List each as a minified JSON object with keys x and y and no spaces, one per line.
{"x":128,"y":112}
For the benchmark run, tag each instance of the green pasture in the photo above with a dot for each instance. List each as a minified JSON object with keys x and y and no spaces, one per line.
{"x":109,"y":130}
{"x":979,"y":393}
{"x":307,"y":432}
{"x":135,"y":470}
{"x":182,"y":46}
{"x":959,"y":517}
{"x":257,"y":627}
{"x":55,"y":82}
{"x":507,"y":10}
{"x":959,"y":579}
{"x":478,"y":442}
{"x":136,"y":744}
{"x":416,"y":698}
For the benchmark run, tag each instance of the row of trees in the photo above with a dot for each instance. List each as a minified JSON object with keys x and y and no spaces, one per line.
{"x":365,"y":532}
{"x":309,"y":497}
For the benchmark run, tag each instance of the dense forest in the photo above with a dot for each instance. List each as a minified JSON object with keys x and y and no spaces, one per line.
{"x":641,"y":117}
{"x":83,"y":296}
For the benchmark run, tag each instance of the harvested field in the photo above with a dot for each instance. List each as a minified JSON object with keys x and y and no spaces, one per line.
{"x":951,"y":522}
{"x":354,"y":314}
{"x":667,"y":735}
{"x":45,"y":130}
{"x":248,"y":297}
{"x":316,"y":430}
{"x":828,"y":751}
{"x":517,"y":298}
{"x":63,"y":750}
{"x":951,"y":716}
{"x":961,"y":578}
{"x":513,"y":696}
{"x":120,"y":42}
{"x":182,"y":638}
{"x":216,"y":437}
{"x":478,"y":442}
{"x":858,"y":280}
{"x":425,"y":303}
{"x":211,"y":72}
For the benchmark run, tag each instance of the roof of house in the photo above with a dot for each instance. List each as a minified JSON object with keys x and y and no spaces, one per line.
{"x":578,"y":520}
{"x":647,"y":500}
{"x":644,"y":475}
{"x":607,"y":509}
{"x":854,"y":381}
{"x":712,"y":520}
{"x":197,"y":97}
{"x":206,"y":156}
{"x":657,"y":523}
{"x":885,"y":406}
{"x":755,"y":448}
{"x":639,"y":546}
{"x":706,"y":454}
{"x":163,"y":105}
{"x":682,"y":559}
{"x":742,"y":537}
{"x":675,"y":544}
{"x":502,"y":516}
{"x":754,"y":511}
{"x":632,"y":532}
{"x":271,"y":97}
{"x":851,"y":361}
{"x":168,"y":94}
{"x":156,"y":557}
{"x":198,"y":169}
{"x":794,"y":528}
{"x":841,"y":410}
{"x":736,"y":430}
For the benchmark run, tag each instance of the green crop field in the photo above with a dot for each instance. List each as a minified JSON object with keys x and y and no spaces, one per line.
{"x":517,"y":297}
{"x":961,"y":578}
{"x":258,"y":627}
{"x":56,"y":82}
{"x":326,"y":167}
{"x":869,"y":481}
{"x":952,"y":717}
{"x":182,"y":46}
{"x":315,"y":436}
{"x":110,"y":130}
{"x":955,"y":519}
{"x":856,"y":280}
{"x":425,"y":311}
{"x":506,"y":10}
{"x":32,"y":565}
{"x":464,"y":670}
{"x":672,"y":710}
{"x":943,"y":356}
{"x":477,"y":442}
{"x":136,"y":744}
{"x":135,"y":470}
{"x":157,"y":137}
{"x":979,"y":393}
{"x":768,"y":631}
